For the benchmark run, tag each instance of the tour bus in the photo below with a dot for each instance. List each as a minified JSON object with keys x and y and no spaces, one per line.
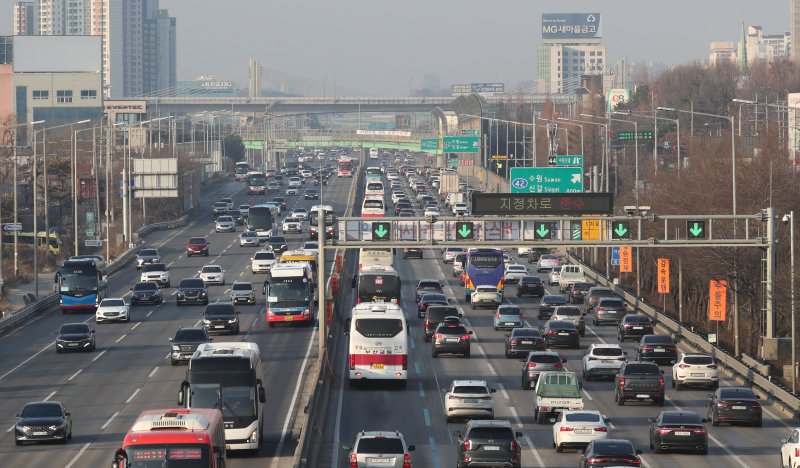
{"x":228,"y":376}
{"x":374,"y":189}
{"x":372,"y":172}
{"x":375,"y":256}
{"x":373,"y":153}
{"x":373,"y":207}
{"x":344,"y":167}
{"x":240,"y":171}
{"x":484,"y":268}
{"x":174,"y":437}
{"x":81,"y":284}
{"x":378,"y":283}
{"x":290,"y":294}
{"x":256,"y":183}
{"x":260,"y":218}
{"x":378,"y":344}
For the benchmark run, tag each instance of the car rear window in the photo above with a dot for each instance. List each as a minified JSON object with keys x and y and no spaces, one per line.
{"x":698,"y":360}
{"x":531,"y":279}
{"x":734,"y":393}
{"x":561,"y":325}
{"x":680,"y":418}
{"x":526,"y":333}
{"x":470,"y":389}
{"x":545,"y":358}
{"x":658,"y":339}
{"x":569,"y":311}
{"x":439,"y":313}
{"x":379,"y":445}
{"x":611,"y":303}
{"x":509,"y":311}
{"x":554,"y":299}
{"x":494,"y":433}
{"x":607,"y":352}
{"x":616,"y":447}
{"x":637,"y":319}
{"x":428,"y":285}
{"x":582,"y":417}
{"x":452,"y":330}
{"x":641,"y":369}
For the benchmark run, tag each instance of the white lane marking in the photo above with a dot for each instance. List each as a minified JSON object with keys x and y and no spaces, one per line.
{"x":121,"y":338}
{"x":137,"y":324}
{"x":48,"y":397}
{"x":728,"y":451}
{"x":105,"y":425}
{"x":533,"y":450}
{"x":168,"y":355}
{"x":148,"y":314}
{"x":74,"y":375}
{"x":587,"y":395}
{"x":78,"y":455}
{"x":336,"y":444}
{"x":150,"y":375}
{"x":94,"y":359}
{"x":11,"y":428}
{"x":503,"y":390}
{"x":25,"y":361}
{"x":294,"y":399}
{"x":132,"y":395}
{"x":516,"y":416}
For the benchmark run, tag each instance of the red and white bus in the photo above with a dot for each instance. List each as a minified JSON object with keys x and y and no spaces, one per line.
{"x":174,"y":438}
{"x":344,"y":168}
{"x":378,"y":348}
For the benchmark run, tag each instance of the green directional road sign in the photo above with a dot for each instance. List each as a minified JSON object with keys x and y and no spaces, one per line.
{"x":542,"y":230}
{"x":461,"y":144}
{"x":565,"y":160}
{"x":695,"y":229}
{"x":464,"y":230}
{"x":470,"y":132}
{"x":631,"y":136}
{"x":381,"y":231}
{"x":546,"y":180}
{"x":620,"y":230}
{"x":429,"y":144}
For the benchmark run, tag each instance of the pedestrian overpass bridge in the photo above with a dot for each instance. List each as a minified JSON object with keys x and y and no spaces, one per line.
{"x":282,"y":141}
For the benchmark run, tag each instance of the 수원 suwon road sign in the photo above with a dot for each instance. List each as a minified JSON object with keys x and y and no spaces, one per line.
{"x":546,"y":180}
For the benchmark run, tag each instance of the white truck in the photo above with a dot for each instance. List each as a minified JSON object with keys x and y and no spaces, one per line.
{"x":448,"y":182}
{"x":570,"y":274}
{"x":556,"y":392}
{"x":453,"y":198}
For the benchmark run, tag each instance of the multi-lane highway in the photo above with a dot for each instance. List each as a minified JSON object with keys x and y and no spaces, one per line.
{"x":130,"y":371}
{"x":417,"y":411}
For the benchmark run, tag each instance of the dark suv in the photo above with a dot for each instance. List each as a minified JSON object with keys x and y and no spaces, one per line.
{"x":186,"y":341}
{"x":452,"y":338}
{"x":197,"y":246}
{"x":530,"y":285}
{"x":221,"y":317}
{"x":488,"y":443}
{"x":436,"y":315}
{"x":660,"y":349}
{"x":192,"y":290}
{"x":145,"y":291}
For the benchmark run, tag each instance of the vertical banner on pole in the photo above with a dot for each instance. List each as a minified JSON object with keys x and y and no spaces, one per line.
{"x":663,"y":276}
{"x":717,"y":299}
{"x":626,"y":260}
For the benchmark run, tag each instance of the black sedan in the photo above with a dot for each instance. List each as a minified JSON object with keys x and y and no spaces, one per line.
{"x":634,"y":326}
{"x":549,"y":303}
{"x":311,"y":194}
{"x":430,"y":299}
{"x":610,"y":452}
{"x":277,"y":244}
{"x":561,"y":333}
{"x":734,"y":405}
{"x":281,"y":202}
{"x":75,"y":337}
{"x":523,"y":340}
{"x":678,"y":430}
{"x":412,"y":252}
{"x":43,"y":420}
{"x":146,"y":291}
{"x":660,"y":349}
{"x":530,"y":286}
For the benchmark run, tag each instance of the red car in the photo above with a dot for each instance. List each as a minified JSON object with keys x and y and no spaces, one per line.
{"x":197,"y":246}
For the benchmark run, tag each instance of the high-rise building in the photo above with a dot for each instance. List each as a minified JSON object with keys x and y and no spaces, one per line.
{"x":571,"y":48}
{"x":794,"y":11}
{"x":62,"y":17}
{"x":24,"y":18}
{"x":760,"y":46}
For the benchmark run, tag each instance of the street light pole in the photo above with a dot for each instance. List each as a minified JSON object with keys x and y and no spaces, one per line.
{"x":35,"y":220}
{"x":794,"y":317}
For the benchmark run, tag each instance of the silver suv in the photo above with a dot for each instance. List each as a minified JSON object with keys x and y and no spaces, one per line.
{"x":146,"y":256}
{"x":379,"y":448}
{"x":538,"y":362}
{"x":242,"y":291}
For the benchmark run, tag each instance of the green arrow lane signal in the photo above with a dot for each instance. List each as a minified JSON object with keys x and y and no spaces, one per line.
{"x":381,"y":230}
{"x":542,"y":230}
{"x":621,"y":230}
{"x":696,"y":229}
{"x":464,"y":230}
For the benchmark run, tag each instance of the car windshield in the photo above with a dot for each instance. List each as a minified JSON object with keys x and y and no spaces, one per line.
{"x":148,"y":286}
{"x":197,"y":240}
{"x":582,"y":417}
{"x":242,"y":286}
{"x":471,"y":389}
{"x":74,"y":328}
{"x":190,"y":335}
{"x":148,"y":253}
{"x":607,"y":352}
{"x":220,"y":309}
{"x":112,"y":303}
{"x":224,"y":219}
{"x":192,"y":283}
{"x":277,"y":240}
{"x":380,"y":445}
{"x":155,"y":267}
{"x":212,"y":269}
{"x":310,"y":245}
{"x":41,"y":410}
{"x":249,"y":234}
{"x":264,"y":256}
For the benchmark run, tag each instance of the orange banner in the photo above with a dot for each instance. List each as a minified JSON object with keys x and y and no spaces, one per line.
{"x":717,"y":299}
{"x":663,"y":276}
{"x":626,"y":260}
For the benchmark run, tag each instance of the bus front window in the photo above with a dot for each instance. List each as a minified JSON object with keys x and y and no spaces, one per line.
{"x":78,"y":282}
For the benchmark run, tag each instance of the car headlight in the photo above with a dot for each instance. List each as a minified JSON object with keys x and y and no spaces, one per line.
{"x":24,"y":429}
{"x":176,"y":348}
{"x":233,"y":320}
{"x":206,"y":321}
{"x":202,"y":293}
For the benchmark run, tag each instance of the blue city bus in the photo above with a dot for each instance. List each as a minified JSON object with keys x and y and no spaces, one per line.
{"x":81,"y":285}
{"x":484,"y":268}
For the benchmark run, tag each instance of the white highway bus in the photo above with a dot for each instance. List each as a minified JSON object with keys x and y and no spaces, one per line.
{"x":375,"y":256}
{"x":373,"y":207}
{"x":378,"y":345}
{"x":373,"y":153}
{"x":228,"y":376}
{"x":374,"y":189}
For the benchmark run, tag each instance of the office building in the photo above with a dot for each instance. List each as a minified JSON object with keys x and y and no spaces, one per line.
{"x":24,"y":18}
{"x":722,"y":52}
{"x":571,"y":48}
{"x":62,"y":17}
{"x":760,"y":46}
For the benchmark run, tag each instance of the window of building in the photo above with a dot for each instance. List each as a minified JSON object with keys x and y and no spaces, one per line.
{"x":583,"y":53}
{"x":599,"y":53}
{"x":64,"y":95}
{"x":88,"y":94}
{"x":41,"y":94}
{"x":591,"y":53}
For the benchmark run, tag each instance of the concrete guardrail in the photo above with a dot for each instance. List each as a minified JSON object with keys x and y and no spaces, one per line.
{"x":769,"y":390}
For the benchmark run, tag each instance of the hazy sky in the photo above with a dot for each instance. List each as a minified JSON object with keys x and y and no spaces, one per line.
{"x":383,"y":47}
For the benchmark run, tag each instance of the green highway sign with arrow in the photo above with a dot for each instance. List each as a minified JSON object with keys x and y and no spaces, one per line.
{"x":695,"y":229}
{"x":542,"y":230}
{"x":381,"y":231}
{"x":620,"y":230}
{"x":546,"y":180}
{"x":464,"y":230}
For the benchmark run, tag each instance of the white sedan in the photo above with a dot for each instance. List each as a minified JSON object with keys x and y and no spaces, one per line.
{"x":212,"y":274}
{"x":790,"y":450}
{"x":575,"y":429}
{"x":603,"y":360}
{"x":113,"y":308}
{"x":695,"y":369}
{"x":485,"y":296}
{"x":311,"y":247}
{"x":554,"y":277}
{"x":432,"y":212}
{"x":514,"y":272}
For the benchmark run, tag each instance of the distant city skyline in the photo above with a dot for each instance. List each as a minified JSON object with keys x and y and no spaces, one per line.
{"x":375,"y":47}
